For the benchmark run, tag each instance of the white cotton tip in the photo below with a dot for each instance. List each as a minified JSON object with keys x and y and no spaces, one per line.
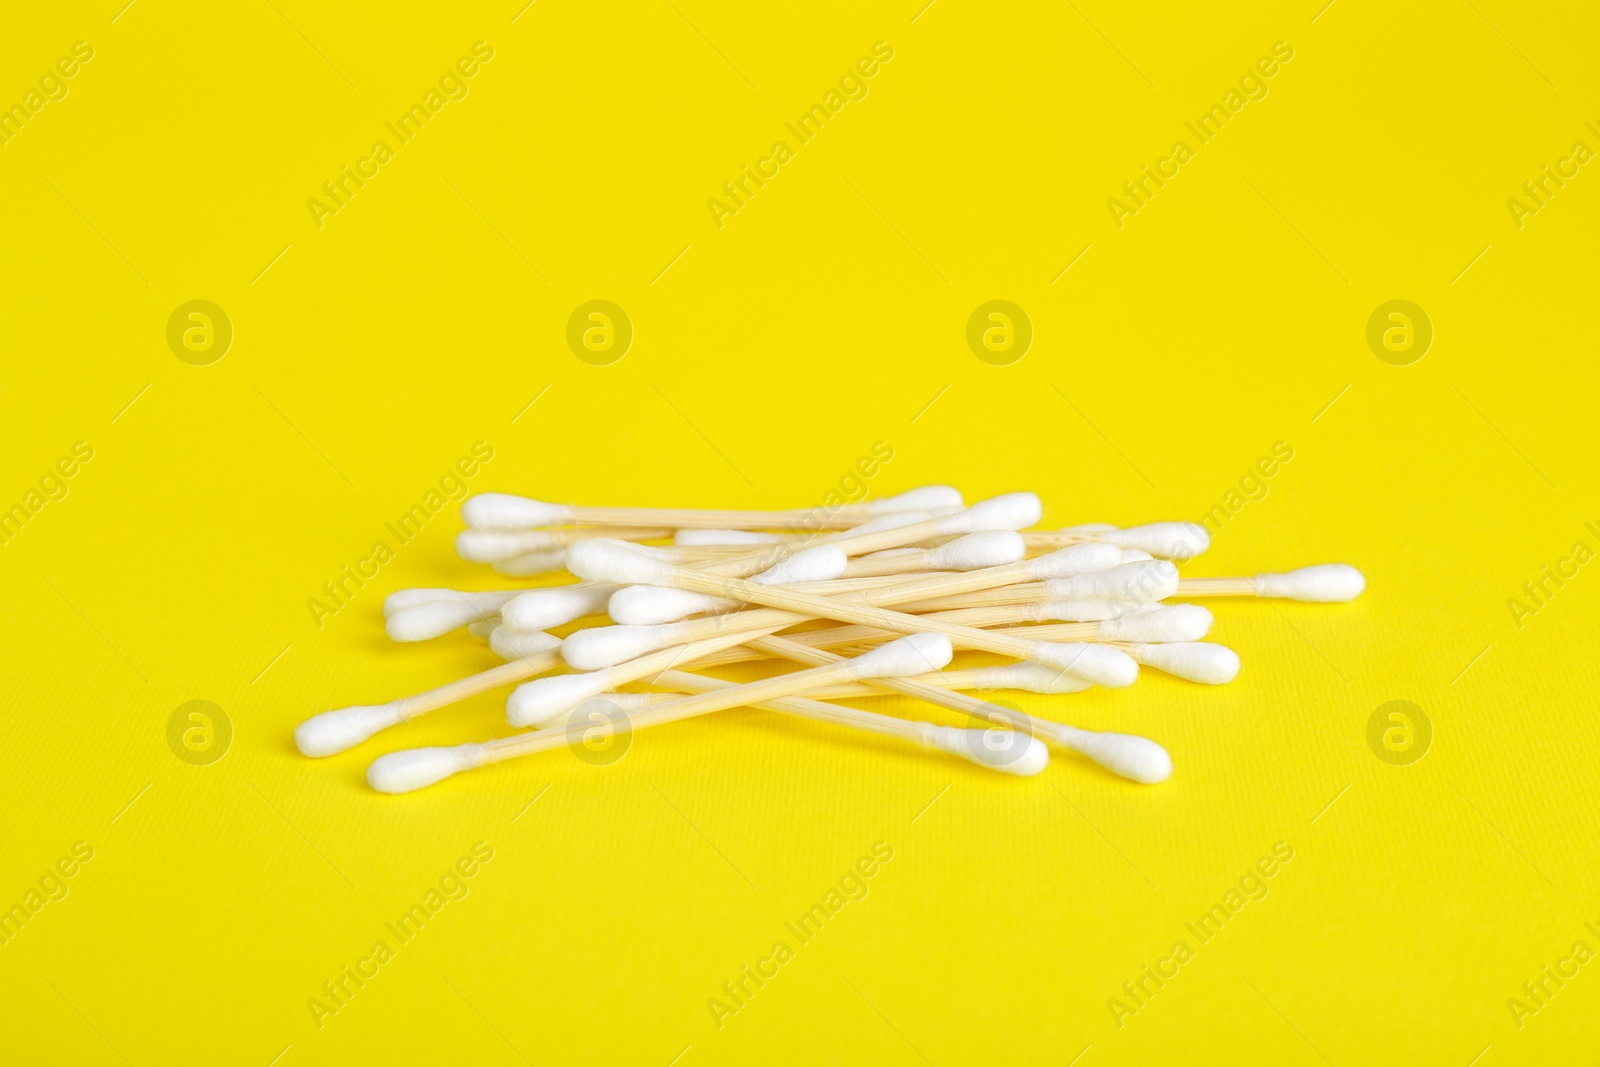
{"x":416,"y":768}
{"x":540,"y":609}
{"x":605,"y":646}
{"x":496,"y":546}
{"x":335,"y":731}
{"x":1070,"y":562}
{"x":927,"y":497}
{"x":520,"y":644}
{"x":544,"y":700}
{"x":1196,"y":661}
{"x":1133,"y":555}
{"x":821,"y":564}
{"x":1167,"y":623}
{"x":1131,"y":756}
{"x":603,"y":560}
{"x":401,"y":599}
{"x":724,"y":537}
{"x":992,"y":548}
{"x":423,"y":622}
{"x":1029,"y":677}
{"x":1143,"y":581}
{"x":1169,"y":540}
{"x":647,"y":605}
{"x":483,"y":629}
{"x":1009,"y":511}
{"x":1100,"y":664}
{"x":658,"y":552}
{"x":541,"y":561}
{"x":1329,"y":583}
{"x":502,"y":511}
{"x":1007,"y":751}
{"x":917,"y":654}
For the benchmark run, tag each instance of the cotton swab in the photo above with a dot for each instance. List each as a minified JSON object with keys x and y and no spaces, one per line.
{"x":598,"y":647}
{"x":1194,"y":661}
{"x":401,"y":599}
{"x":652,"y":604}
{"x":1014,"y":752}
{"x":1140,"y":582}
{"x":1009,"y":511}
{"x":402,"y":772}
{"x":990,"y":548}
{"x":662,"y":604}
{"x":1326,"y":583}
{"x":844,"y":584}
{"x":727,"y":538}
{"x":530,"y":564}
{"x":1165,"y":623}
{"x":1137,"y":758}
{"x":425,"y":620}
{"x":343,"y":728}
{"x":520,"y":644}
{"x":646,"y":605}
{"x":495,"y":546}
{"x":1168,"y":540}
{"x":504,"y":512}
{"x":1208,"y":664}
{"x":542,"y":700}
{"x":1026,"y":677}
{"x":542,"y":609}
{"x":1096,"y":663}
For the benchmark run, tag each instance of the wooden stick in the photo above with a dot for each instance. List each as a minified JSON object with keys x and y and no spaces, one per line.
{"x":810,"y":708}
{"x":500,"y":511}
{"x":783,"y":685}
{"x":1190,"y":587}
{"x":1106,"y":666}
{"x":1026,"y":592}
{"x":1137,"y":758}
{"x":344,"y":728}
{"x":518,"y":670}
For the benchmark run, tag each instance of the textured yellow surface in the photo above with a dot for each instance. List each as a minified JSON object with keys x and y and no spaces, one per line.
{"x":773,"y":346}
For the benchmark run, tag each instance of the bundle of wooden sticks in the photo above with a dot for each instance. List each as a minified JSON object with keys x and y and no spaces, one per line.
{"x":868,"y":599}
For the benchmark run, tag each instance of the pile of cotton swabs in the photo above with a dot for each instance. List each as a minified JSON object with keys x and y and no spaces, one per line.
{"x":866,"y":600}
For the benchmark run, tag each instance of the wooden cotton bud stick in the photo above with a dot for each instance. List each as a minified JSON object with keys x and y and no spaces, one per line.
{"x":502,"y":511}
{"x":344,"y":728}
{"x":602,"y":646}
{"x":402,"y":772}
{"x":1017,"y":754}
{"x":1327,"y":583}
{"x":615,"y":561}
{"x":1136,"y":758}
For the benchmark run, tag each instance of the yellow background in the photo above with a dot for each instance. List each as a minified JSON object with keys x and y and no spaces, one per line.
{"x":828,"y":314}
